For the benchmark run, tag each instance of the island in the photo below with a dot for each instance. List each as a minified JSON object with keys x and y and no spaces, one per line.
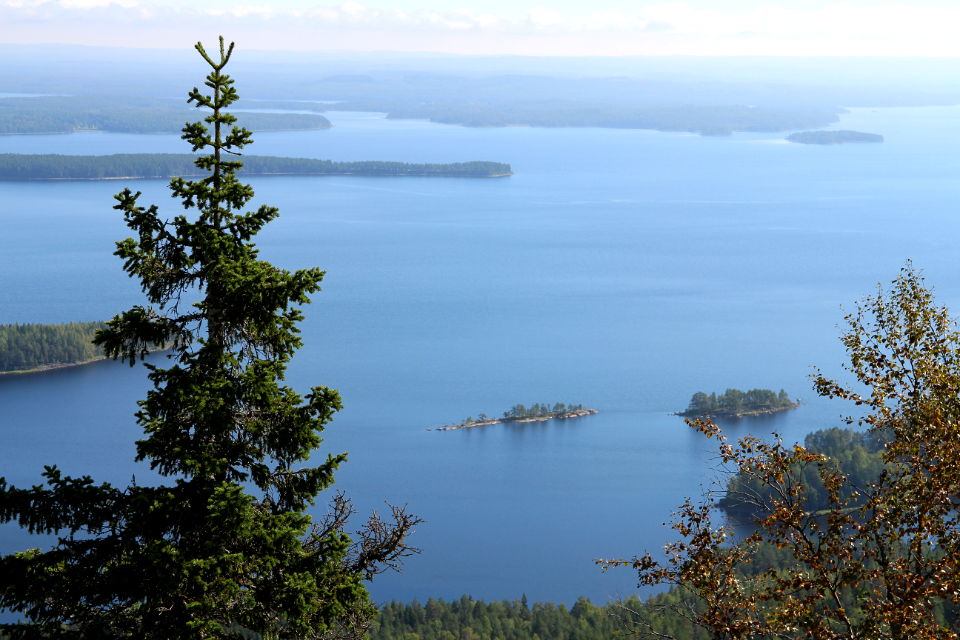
{"x":519,"y":413}
{"x":833,"y":137}
{"x":19,"y":166}
{"x":738,"y":404}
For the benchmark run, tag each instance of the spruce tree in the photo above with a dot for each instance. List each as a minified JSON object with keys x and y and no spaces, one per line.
{"x":226,"y":547}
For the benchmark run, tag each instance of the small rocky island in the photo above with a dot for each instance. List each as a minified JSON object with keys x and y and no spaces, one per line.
{"x":520,"y":413}
{"x":738,"y":404}
{"x":833,"y":137}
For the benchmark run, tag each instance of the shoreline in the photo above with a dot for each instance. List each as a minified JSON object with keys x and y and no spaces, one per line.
{"x":52,"y":367}
{"x":561,"y":416}
{"x":197,"y":175}
{"x":64,"y":365}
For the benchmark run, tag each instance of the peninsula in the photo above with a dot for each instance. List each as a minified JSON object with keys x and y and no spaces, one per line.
{"x":18,"y":166}
{"x":38,"y":347}
{"x":833,"y":137}
{"x":738,"y":404}
{"x":519,"y":413}
{"x":29,"y":348}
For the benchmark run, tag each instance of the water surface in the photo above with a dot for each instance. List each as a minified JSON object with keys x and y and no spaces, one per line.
{"x":620,"y":269}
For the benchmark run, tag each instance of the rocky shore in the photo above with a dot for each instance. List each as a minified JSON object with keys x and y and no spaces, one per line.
{"x":561,"y":415}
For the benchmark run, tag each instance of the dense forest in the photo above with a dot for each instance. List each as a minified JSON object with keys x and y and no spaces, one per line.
{"x":736,"y":402}
{"x":706,"y":120}
{"x":833,"y":137}
{"x":28,"y":346}
{"x":468,"y":619}
{"x":857,"y":454}
{"x":66,"y":114}
{"x":14,"y":166}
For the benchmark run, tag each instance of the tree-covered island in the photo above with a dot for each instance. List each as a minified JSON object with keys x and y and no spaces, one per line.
{"x":833,"y":137}
{"x":519,"y":413}
{"x":18,"y":166}
{"x":737,"y":404}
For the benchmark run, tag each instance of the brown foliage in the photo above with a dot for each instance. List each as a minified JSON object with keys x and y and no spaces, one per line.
{"x":874,"y":562}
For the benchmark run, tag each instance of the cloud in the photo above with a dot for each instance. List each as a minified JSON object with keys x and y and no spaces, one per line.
{"x":545,"y":17}
{"x":661,"y":28}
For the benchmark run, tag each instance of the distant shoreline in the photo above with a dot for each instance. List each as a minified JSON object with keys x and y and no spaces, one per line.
{"x":52,"y":367}
{"x":197,"y":175}
{"x":22,"y":167}
{"x":64,"y":365}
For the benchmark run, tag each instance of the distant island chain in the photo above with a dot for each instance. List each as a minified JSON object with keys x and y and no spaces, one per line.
{"x":737,"y":404}
{"x":19,"y":166}
{"x":833,"y":137}
{"x":519,"y":413}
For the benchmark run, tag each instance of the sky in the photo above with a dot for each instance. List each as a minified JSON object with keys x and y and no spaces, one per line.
{"x":525,"y":27}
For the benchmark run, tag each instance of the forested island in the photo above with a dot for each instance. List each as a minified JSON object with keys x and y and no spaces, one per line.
{"x":35,"y":347}
{"x":833,"y":137}
{"x":67,"y":114}
{"x":15,"y":166}
{"x":705,"y":120}
{"x":519,"y":413}
{"x":737,"y":404}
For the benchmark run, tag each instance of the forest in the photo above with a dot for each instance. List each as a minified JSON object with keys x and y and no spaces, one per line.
{"x":833,"y":137}
{"x":468,"y":619}
{"x":705,"y":120}
{"x":737,"y":402}
{"x":66,"y":114}
{"x":857,"y":454}
{"x":28,"y":346}
{"x":14,"y":166}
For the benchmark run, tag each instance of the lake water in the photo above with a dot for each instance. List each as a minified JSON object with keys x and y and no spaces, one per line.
{"x":620,"y":269}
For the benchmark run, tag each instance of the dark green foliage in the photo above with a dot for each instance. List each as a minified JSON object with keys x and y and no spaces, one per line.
{"x":857,"y":454}
{"x":227,"y":546}
{"x":65,"y":114}
{"x":708,"y":120}
{"x":16,"y":166}
{"x":734,"y":401}
{"x":28,"y":346}
{"x":468,"y":619}
{"x":833,"y":137}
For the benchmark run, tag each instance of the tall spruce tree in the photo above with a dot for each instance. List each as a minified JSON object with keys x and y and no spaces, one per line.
{"x":227,"y":547}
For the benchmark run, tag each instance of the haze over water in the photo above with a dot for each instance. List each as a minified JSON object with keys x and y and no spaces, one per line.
{"x":620,"y":269}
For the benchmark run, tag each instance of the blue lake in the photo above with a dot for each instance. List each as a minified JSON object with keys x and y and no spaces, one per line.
{"x":620,"y":269}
